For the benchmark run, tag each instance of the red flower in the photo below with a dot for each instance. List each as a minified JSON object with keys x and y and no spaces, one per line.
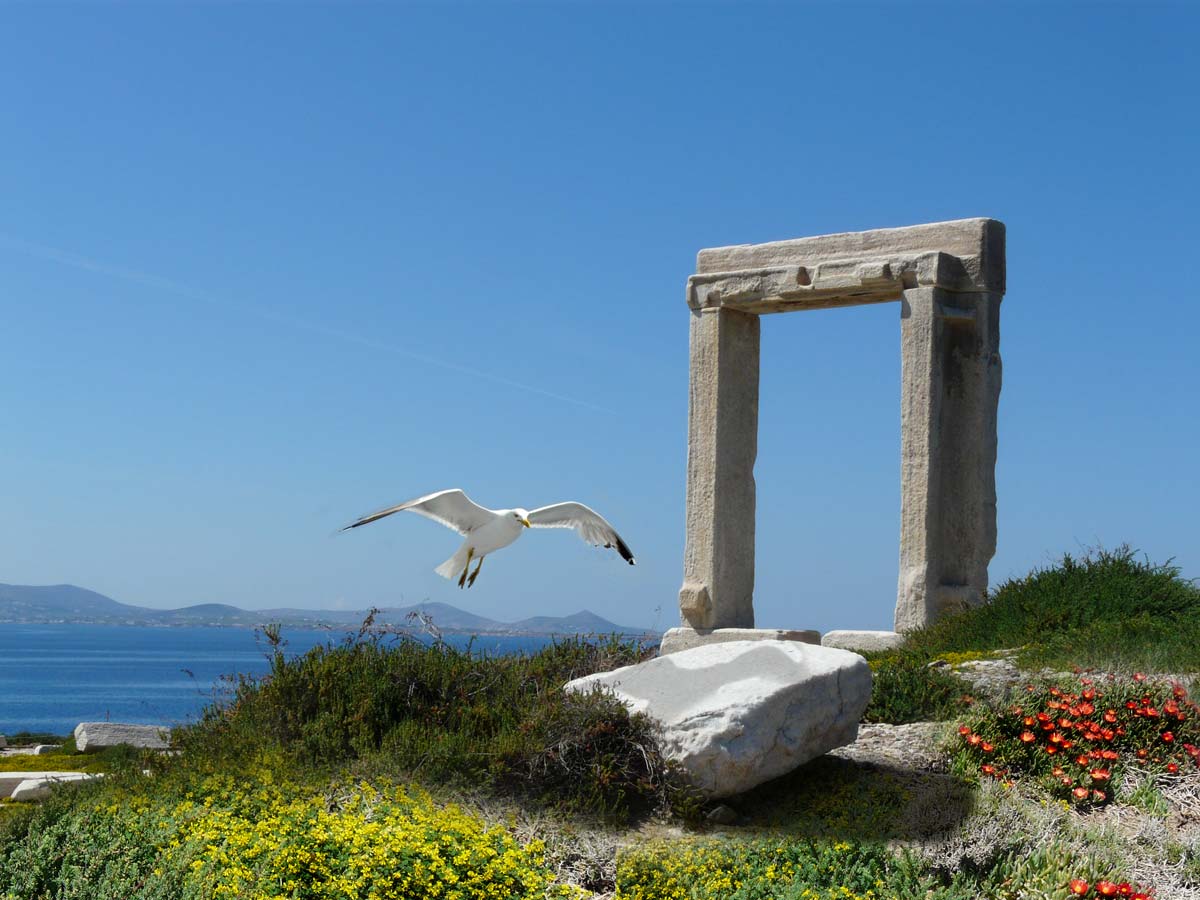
{"x":973,"y":739}
{"x":1051,"y":749}
{"x":1109,"y":754}
{"x":1080,"y":793}
{"x":1110,"y":715}
{"x":1099,"y":796}
{"x":1082,"y":759}
{"x":1079,"y":886}
{"x":986,"y":747}
{"x":1106,"y":889}
{"x":1124,"y":889}
{"x":1086,"y":709}
{"x":1172,"y":768}
{"x":1100,"y":774}
{"x":987,"y":769}
{"x":1057,"y":772}
{"x":1167,"y":736}
{"x":1138,"y":676}
{"x":964,"y":730}
{"x":1027,"y":737}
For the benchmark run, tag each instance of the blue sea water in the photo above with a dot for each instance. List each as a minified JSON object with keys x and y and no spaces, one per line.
{"x":52,"y":677}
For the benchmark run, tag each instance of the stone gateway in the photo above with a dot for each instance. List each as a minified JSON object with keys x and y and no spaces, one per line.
{"x":948,"y":278}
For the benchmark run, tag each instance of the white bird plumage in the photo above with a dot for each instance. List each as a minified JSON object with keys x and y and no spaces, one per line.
{"x":488,"y":530}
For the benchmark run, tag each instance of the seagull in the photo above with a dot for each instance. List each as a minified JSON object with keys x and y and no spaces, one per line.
{"x":488,"y":530}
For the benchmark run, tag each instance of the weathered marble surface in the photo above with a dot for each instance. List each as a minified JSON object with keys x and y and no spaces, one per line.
{"x":91,"y":736}
{"x":737,"y":714}
{"x":686,"y":638}
{"x":862,"y":641}
{"x":949,"y":278}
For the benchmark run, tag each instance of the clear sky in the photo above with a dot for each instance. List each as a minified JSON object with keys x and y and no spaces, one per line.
{"x":267,"y":267}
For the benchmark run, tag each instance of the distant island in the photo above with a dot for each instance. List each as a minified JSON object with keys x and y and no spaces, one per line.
{"x":68,"y":604}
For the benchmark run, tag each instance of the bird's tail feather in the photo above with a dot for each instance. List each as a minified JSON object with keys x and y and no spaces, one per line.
{"x":453,"y":567}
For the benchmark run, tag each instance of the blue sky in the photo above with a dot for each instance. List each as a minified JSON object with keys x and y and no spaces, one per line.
{"x":266,"y":267}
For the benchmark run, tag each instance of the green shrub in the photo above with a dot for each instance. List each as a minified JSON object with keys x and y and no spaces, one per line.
{"x":1078,"y":739}
{"x":906,"y":689}
{"x":447,"y":716}
{"x":1107,"y":606}
{"x":257,"y":839}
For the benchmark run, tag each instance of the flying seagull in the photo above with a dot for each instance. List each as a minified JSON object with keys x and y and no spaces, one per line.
{"x":487,"y":530}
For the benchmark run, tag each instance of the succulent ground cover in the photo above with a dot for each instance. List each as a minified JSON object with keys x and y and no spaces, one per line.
{"x":51,"y":762}
{"x":303,"y":784}
{"x":1078,"y":740}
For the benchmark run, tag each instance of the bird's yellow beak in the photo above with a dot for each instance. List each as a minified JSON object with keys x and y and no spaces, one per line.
{"x":525,"y":522}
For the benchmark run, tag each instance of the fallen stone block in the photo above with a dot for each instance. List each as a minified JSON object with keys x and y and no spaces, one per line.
{"x":46,"y":749}
{"x":39,"y":787}
{"x":737,"y":714}
{"x":686,"y":638}
{"x":10,"y":780}
{"x":862,"y":641}
{"x":91,"y":736}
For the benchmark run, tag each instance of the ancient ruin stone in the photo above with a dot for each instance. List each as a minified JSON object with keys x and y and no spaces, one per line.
{"x":949,"y":278}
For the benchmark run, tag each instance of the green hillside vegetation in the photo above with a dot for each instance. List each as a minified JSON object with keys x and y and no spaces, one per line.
{"x":382,"y":768}
{"x":1107,"y":611}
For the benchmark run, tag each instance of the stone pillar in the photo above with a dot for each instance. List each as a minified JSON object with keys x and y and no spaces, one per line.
{"x":718,"y":568}
{"x":950,"y":393}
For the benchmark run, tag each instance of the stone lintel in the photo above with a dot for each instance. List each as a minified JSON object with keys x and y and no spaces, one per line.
{"x":850,"y":269}
{"x":686,"y":638}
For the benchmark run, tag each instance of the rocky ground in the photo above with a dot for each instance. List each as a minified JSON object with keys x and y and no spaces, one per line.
{"x":929,"y":811}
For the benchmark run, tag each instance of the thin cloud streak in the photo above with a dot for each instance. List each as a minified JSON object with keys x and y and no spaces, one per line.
{"x":63,"y":257}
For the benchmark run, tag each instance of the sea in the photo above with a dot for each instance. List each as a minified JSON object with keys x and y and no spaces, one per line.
{"x":52,"y":677}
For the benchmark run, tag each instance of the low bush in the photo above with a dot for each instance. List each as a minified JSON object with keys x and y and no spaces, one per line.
{"x":256,"y":839}
{"x":446,"y":716}
{"x":1106,"y":609}
{"x":1077,"y":740}
{"x":51,"y":762}
{"x":905,"y":688}
{"x":791,"y":869}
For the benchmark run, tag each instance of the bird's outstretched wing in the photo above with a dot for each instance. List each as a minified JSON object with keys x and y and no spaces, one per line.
{"x":591,"y":526}
{"x":451,"y":508}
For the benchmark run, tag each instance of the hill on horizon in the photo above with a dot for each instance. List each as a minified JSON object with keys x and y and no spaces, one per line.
{"x":68,"y":603}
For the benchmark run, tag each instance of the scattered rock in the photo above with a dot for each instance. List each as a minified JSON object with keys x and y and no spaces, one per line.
{"x":90,"y":736}
{"x":722,"y":815}
{"x":3,"y":742}
{"x":9,"y":781}
{"x":735,"y":715}
{"x":912,"y":746}
{"x":862,"y":641}
{"x":46,"y":749}
{"x":39,"y":786}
